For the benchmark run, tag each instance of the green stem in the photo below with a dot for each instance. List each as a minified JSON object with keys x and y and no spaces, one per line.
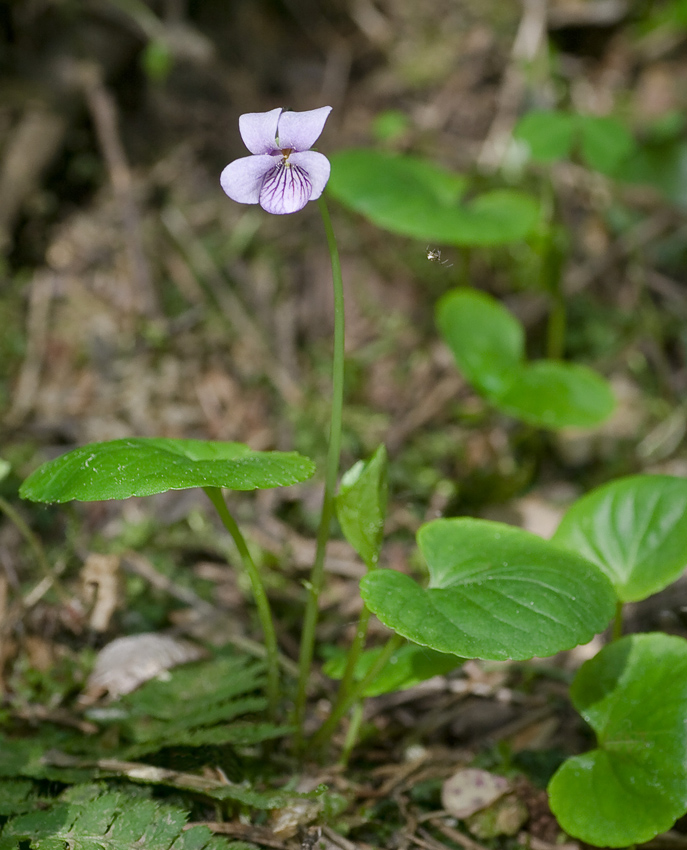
{"x":325,"y":732}
{"x":352,"y":733}
{"x":331,"y":474}
{"x":35,"y":544}
{"x":259,"y":594}
{"x":618,"y":622}
{"x":354,"y":654}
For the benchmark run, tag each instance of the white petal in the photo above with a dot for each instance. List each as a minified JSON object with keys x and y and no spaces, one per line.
{"x":287,"y":189}
{"x":317,"y":167}
{"x":259,"y":130}
{"x":242,"y":179}
{"x":300,"y":130}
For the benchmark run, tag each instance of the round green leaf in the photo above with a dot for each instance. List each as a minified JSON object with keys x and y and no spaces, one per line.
{"x":141,"y":466}
{"x":408,"y":666}
{"x":634,"y":529}
{"x":606,"y":142}
{"x":662,"y":165}
{"x":495,"y":592}
{"x":413,"y":197}
{"x":488,"y":344}
{"x":550,"y":394}
{"x":361,"y":506}
{"x":548,"y":134}
{"x":485,"y":338}
{"x":634,"y":785}
{"x":603,"y":142}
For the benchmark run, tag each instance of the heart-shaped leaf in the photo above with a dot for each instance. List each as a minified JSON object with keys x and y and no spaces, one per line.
{"x":413,"y":197}
{"x":550,"y":394}
{"x":141,"y":466}
{"x":606,"y":142}
{"x":361,"y":506}
{"x":488,"y":344}
{"x":662,"y":163}
{"x":495,"y":592}
{"x":634,"y":785}
{"x":603,"y":142}
{"x":487,"y":341}
{"x":408,"y":666}
{"x":548,"y":134}
{"x":634,"y":529}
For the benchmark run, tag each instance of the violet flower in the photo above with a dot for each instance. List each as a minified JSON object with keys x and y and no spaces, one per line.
{"x":282,"y":174}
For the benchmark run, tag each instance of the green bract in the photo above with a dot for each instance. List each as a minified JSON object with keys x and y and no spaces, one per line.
{"x":413,"y":197}
{"x":142,"y":466}
{"x":489,"y":346}
{"x":634,"y":785}
{"x":495,"y":592}
{"x":634,"y":529}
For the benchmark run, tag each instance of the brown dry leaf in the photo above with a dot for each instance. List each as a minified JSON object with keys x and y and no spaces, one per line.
{"x":470,"y":790}
{"x":126,"y":663}
{"x":101,"y":580}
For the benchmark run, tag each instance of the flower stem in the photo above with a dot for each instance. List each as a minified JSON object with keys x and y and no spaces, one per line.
{"x":354,"y":654}
{"x":331,"y":473}
{"x":352,"y":733}
{"x":347,"y":682}
{"x":355,"y":694}
{"x":259,"y":594}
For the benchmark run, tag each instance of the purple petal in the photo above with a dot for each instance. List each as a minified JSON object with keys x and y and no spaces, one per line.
{"x":242,"y":179}
{"x":259,"y":130}
{"x":286,"y":189}
{"x":316,"y":166}
{"x":300,"y":130}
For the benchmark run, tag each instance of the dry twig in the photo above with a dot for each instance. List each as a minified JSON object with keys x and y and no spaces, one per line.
{"x":104,"y":114}
{"x":527,"y":44}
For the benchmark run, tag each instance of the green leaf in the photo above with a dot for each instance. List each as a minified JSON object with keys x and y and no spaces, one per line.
{"x":18,"y":795}
{"x":110,"y":821}
{"x":634,"y":785}
{"x":662,"y":164}
{"x":550,"y":394}
{"x":606,"y":142}
{"x":236,"y":734}
{"x":485,"y":338}
{"x":602,"y":141}
{"x":408,"y":666}
{"x":413,"y":197}
{"x":184,"y":709}
{"x":361,"y":506}
{"x":24,"y":756}
{"x":488,"y":345}
{"x":142,"y":466}
{"x":548,"y":134}
{"x":634,"y":529}
{"x":495,"y":592}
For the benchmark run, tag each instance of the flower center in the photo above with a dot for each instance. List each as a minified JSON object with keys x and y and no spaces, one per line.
{"x":286,"y":153}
